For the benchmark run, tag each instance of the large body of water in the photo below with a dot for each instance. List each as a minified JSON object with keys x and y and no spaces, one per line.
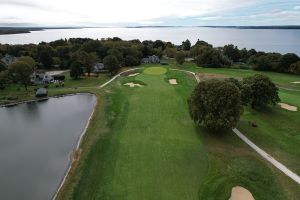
{"x":36,"y":141}
{"x":269,"y":40}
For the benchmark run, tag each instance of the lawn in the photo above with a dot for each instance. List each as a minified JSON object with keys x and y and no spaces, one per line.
{"x":16,"y":92}
{"x":142,"y":144}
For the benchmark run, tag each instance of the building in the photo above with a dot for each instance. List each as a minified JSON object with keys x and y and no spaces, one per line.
{"x":98,"y":68}
{"x":39,"y":77}
{"x":151,"y":59}
{"x":8,"y":59}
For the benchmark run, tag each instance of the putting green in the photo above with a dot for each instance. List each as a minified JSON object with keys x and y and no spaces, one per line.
{"x":155,"y":70}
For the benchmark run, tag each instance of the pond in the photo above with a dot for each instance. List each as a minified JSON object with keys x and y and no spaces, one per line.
{"x":36,"y":143}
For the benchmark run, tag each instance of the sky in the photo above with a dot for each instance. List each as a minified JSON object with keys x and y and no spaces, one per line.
{"x":149,"y":13}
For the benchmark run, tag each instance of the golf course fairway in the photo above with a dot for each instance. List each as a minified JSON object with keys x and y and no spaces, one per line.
{"x":146,"y":147}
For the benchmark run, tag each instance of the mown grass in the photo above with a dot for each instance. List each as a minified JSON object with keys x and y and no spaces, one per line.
{"x":15,"y":92}
{"x":141,"y":143}
{"x":152,"y":150}
{"x":281,"y":79}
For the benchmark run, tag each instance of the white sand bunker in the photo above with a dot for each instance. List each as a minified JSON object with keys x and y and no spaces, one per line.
{"x":288,"y":107}
{"x":131,"y":84}
{"x":173,"y":81}
{"x":132,"y":75}
{"x":240,"y":193}
{"x":296,"y":82}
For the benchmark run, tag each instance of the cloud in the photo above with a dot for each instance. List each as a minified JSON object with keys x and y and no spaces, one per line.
{"x":112,"y":11}
{"x":297,"y":8}
{"x":162,"y":12}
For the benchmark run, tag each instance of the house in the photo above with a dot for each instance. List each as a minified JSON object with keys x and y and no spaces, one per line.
{"x":98,"y":68}
{"x":39,"y":77}
{"x":151,"y":59}
{"x":8,"y":59}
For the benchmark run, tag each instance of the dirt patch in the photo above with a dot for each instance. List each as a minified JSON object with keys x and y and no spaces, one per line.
{"x":288,"y":107}
{"x":296,"y":82}
{"x":240,"y":193}
{"x":210,"y":76}
{"x":132,"y":75}
{"x":173,"y":81}
{"x":131,"y":84}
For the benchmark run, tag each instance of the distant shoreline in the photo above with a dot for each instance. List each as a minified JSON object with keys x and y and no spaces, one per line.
{"x":233,"y":27}
{"x":20,"y":30}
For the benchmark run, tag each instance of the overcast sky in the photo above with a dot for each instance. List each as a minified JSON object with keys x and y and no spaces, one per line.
{"x":152,"y":12}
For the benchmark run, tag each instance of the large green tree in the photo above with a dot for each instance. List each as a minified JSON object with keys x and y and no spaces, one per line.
{"x":76,"y":70}
{"x":215,"y":104}
{"x":20,"y":71}
{"x":111,"y":63}
{"x":261,"y":91}
{"x":286,"y":60}
{"x":29,"y":60}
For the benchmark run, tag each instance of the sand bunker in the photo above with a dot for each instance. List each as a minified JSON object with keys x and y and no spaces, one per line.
{"x":133,"y":84}
{"x":296,"y":82}
{"x":173,"y":81}
{"x":132,"y":75}
{"x":240,"y":193}
{"x":288,"y":107}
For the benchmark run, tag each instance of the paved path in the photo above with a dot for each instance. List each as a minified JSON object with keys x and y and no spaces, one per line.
{"x":267,"y":156}
{"x":193,"y":73}
{"x":118,"y":75}
{"x":261,"y":152}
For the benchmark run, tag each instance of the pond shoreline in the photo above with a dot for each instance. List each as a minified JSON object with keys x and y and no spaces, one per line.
{"x":42,"y":99}
{"x":73,"y":154}
{"x":76,"y":148}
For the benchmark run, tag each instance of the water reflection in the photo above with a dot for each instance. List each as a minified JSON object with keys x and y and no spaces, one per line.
{"x":36,"y":140}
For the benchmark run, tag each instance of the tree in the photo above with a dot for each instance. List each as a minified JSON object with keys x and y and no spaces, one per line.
{"x":3,"y":79}
{"x":286,"y":60}
{"x":186,"y":45}
{"x":20,"y":71}
{"x":87,"y":60}
{"x":2,"y":66}
{"x":170,"y":52}
{"x":118,"y":54}
{"x":265,"y":62}
{"x":295,"y":68}
{"x":210,"y":57}
{"x":159,"y":44}
{"x":29,"y":60}
{"x":45,"y":55}
{"x":215,"y":104}
{"x":232,"y":52}
{"x":111,"y":63}
{"x":131,"y":61}
{"x":261,"y":90}
{"x":76,"y":70}
{"x":180,"y":57}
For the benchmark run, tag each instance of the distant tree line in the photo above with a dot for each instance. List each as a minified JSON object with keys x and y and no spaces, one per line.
{"x":81,"y":54}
